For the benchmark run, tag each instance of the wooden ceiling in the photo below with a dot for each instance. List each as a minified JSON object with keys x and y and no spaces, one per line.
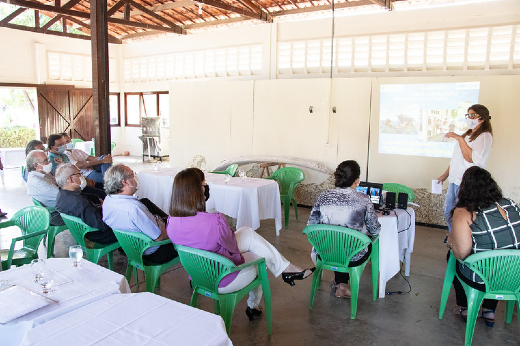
{"x":133,"y":19}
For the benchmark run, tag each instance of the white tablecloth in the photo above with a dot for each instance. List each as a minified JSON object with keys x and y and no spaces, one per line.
{"x":132,"y":319}
{"x":12,"y":157}
{"x":74,"y":287}
{"x":85,"y":146}
{"x":247,"y":201}
{"x":395,"y":244}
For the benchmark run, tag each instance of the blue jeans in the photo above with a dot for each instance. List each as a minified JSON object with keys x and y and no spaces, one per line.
{"x":99,"y":171}
{"x":450,"y":202}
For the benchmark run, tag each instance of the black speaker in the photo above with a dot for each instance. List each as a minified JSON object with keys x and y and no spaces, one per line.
{"x":390,"y":200}
{"x":402,"y":200}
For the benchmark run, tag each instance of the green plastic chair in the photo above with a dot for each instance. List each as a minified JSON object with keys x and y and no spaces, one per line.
{"x":206,"y":269}
{"x":231,"y":170}
{"x":112,"y":145}
{"x":288,"y":178}
{"x":76,"y":140}
{"x":336,"y":247}
{"x":79,"y":229}
{"x":53,"y":230}
{"x":33,"y":221}
{"x":500,"y":271}
{"x":134,"y":244}
{"x":393,"y":187}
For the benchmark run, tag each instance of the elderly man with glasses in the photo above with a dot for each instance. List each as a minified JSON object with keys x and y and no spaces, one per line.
{"x":72,"y":200}
{"x":41,"y":184}
{"x":123,"y":211}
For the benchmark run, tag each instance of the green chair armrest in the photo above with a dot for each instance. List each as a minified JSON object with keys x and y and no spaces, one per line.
{"x":245,"y":265}
{"x":8,"y":223}
{"x":13,"y":243}
{"x":158,"y":243}
{"x":374,"y":239}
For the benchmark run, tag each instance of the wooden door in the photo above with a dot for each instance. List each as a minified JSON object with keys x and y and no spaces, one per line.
{"x":65,"y":109}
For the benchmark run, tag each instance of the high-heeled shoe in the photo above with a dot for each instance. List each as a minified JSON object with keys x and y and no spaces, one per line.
{"x":252,"y":312}
{"x":290,"y":277}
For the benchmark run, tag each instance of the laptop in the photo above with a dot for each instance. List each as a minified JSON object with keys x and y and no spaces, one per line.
{"x":374,"y":190}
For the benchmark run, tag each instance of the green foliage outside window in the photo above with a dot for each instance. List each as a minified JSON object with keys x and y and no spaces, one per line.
{"x":16,"y":136}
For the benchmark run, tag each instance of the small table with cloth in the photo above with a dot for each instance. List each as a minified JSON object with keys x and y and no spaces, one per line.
{"x":248,"y":201}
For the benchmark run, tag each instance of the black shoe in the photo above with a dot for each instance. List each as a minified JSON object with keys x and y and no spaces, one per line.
{"x":290,"y":277}
{"x":251,"y":313}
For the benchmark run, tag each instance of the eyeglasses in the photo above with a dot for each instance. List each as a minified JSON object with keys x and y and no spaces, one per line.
{"x":75,"y":174}
{"x":472,"y":116}
{"x":46,"y":161}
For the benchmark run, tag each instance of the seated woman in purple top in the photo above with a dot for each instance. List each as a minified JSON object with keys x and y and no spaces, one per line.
{"x":190,"y":225}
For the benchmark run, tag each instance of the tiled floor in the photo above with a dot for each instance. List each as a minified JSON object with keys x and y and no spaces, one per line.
{"x":398,"y":319}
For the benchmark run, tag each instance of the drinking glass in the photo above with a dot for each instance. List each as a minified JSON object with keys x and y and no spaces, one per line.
{"x":242,"y":174}
{"x":37,"y":266}
{"x":227,"y":178}
{"x":76,"y":254}
{"x":46,"y":280}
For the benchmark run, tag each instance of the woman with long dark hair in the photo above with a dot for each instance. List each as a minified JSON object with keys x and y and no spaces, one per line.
{"x":483,"y":220}
{"x":190,"y":225}
{"x":471,"y":149}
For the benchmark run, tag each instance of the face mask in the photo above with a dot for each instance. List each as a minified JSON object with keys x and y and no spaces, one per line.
{"x":83,"y":182}
{"x":47,"y":168}
{"x":206,"y":192}
{"x":472,"y":123}
{"x":69,"y":146}
{"x":137,"y":182}
{"x":61,"y":149}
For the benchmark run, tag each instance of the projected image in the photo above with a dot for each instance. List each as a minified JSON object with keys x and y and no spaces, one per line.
{"x":415,"y":117}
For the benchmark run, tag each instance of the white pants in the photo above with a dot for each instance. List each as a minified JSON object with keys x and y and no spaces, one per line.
{"x":254,"y":246}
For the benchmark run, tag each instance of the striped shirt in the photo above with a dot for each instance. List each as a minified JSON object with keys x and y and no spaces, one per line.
{"x":490,"y":231}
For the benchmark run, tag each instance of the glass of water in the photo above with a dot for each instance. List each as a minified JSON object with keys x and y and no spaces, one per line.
{"x":242,"y":174}
{"x":227,"y":178}
{"x":46,"y":279}
{"x":76,"y":254}
{"x":37,"y":266}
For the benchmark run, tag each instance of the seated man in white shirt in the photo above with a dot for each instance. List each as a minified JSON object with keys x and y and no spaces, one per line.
{"x":123,"y":211}
{"x":91,"y":167}
{"x":41,"y":184}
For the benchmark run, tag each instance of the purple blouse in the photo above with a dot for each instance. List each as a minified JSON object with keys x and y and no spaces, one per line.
{"x":206,"y":231}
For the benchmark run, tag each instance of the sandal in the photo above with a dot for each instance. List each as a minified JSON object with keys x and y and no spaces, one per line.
{"x":462,"y":312}
{"x":343,"y":291}
{"x":490,"y":322}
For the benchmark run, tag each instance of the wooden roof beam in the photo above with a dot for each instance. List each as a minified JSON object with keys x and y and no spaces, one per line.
{"x":263,"y":16}
{"x":153,"y":14}
{"x":319,"y":8}
{"x":12,"y":16}
{"x":79,"y":14}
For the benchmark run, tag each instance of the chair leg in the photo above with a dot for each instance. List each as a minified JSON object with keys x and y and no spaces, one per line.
{"x":266,"y":288}
{"x":128,"y":273}
{"x":295,"y":208}
{"x":475,"y":298}
{"x":510,"y":307}
{"x":110,"y":257}
{"x":448,"y":281}
{"x":194,"y":298}
{"x":355,"y":276}
{"x":316,"y":279}
{"x":374,"y":262}
{"x":51,"y":234}
{"x":287,"y":207}
{"x":227,"y":308}
{"x":151,"y":276}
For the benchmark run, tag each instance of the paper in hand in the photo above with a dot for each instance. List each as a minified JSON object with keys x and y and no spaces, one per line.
{"x":436,"y":187}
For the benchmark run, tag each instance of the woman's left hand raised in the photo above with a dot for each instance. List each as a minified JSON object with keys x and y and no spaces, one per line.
{"x":453,"y":135}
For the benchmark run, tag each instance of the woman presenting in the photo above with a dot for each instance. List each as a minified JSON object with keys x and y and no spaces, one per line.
{"x":471,"y":149}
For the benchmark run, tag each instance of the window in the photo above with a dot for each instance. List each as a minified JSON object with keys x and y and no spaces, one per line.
{"x":115,"y":109}
{"x":148,"y":104}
